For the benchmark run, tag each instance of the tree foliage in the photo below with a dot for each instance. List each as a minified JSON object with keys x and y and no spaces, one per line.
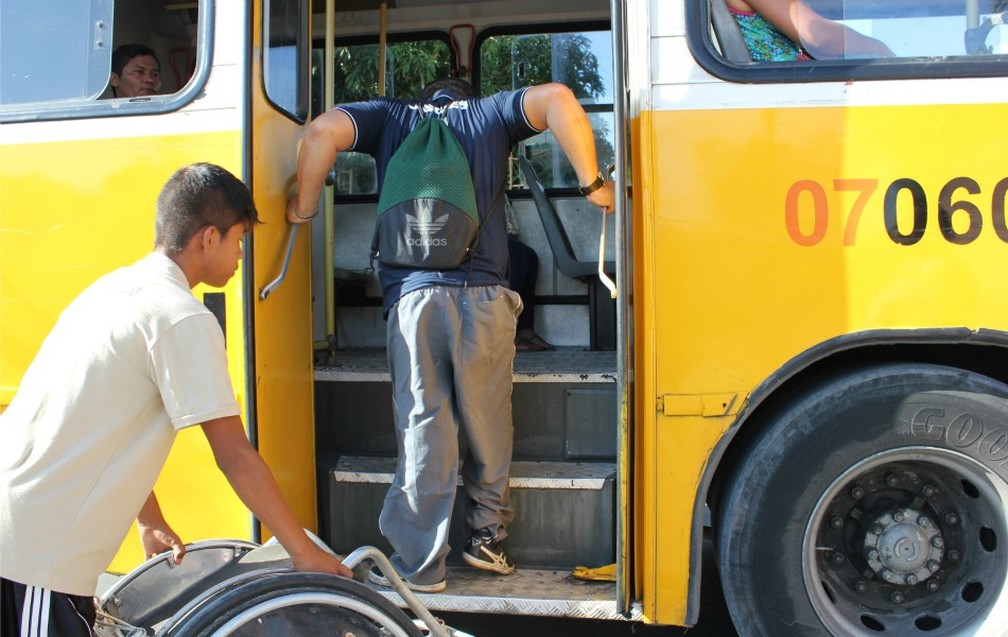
{"x":513,"y":61}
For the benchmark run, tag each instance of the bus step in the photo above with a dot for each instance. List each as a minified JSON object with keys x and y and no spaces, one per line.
{"x":544,"y":592}
{"x":564,"y":511}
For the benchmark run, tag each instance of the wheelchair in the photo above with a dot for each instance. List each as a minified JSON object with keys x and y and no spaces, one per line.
{"x":235,"y":588}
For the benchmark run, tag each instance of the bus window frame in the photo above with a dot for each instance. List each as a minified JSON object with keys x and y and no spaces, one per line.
{"x":116,"y":107}
{"x":304,"y":47}
{"x":699,"y":39}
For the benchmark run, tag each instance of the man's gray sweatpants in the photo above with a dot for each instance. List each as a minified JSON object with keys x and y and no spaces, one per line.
{"x":451,"y":355}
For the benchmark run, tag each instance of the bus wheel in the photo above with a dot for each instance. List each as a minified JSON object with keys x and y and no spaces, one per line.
{"x":876,"y":503}
{"x":295,"y":604}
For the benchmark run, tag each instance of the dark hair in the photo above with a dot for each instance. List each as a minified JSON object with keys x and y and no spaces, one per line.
{"x":122,"y":55}
{"x":197,"y":196}
{"x":459,"y":88}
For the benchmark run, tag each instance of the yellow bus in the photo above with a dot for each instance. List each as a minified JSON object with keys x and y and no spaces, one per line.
{"x":801,"y":364}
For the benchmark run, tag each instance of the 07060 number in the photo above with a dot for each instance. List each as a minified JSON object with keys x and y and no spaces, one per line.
{"x":905,"y":210}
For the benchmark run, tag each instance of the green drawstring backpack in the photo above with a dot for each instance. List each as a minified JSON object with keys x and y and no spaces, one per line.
{"x":427,"y":216}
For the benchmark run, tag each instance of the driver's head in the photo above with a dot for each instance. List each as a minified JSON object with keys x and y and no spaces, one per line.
{"x":136,"y":71}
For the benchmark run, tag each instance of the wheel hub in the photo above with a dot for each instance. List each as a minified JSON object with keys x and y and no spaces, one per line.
{"x":903,"y":546}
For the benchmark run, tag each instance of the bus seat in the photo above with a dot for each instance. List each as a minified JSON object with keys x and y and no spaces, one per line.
{"x":601,"y":307}
{"x":563,"y":252}
{"x":729,"y":38}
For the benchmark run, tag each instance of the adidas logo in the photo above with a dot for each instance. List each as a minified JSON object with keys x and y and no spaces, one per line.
{"x":424,"y":227}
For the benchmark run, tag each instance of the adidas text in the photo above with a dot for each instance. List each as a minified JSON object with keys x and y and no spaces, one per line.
{"x":423,"y":241}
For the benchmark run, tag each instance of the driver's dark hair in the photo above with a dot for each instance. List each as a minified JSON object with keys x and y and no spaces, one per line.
{"x":197,"y":196}
{"x":123,"y":54}
{"x":457,"y":87}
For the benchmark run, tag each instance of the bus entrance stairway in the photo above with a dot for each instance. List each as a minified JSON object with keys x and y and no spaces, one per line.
{"x":563,"y":480}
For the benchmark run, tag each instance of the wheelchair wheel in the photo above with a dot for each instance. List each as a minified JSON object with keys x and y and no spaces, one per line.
{"x":292,"y":604}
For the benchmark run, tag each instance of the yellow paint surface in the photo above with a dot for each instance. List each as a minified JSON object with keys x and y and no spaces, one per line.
{"x":760,"y":233}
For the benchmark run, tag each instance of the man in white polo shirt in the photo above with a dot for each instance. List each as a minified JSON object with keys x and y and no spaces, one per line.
{"x":132,"y":360}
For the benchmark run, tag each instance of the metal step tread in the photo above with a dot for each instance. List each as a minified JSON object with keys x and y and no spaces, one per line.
{"x":524,"y":474}
{"x":552,"y":593}
{"x":565,"y":365}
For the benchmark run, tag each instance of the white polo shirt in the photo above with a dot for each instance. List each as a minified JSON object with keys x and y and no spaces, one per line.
{"x":132,"y":360}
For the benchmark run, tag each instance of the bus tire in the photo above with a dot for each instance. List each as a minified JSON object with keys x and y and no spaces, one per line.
{"x":875,"y":503}
{"x":294,"y":603}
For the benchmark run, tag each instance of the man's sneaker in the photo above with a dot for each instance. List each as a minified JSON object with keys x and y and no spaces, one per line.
{"x":485,"y":553}
{"x":376,"y":577}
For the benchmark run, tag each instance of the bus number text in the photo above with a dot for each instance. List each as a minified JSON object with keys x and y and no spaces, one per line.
{"x":905,"y":211}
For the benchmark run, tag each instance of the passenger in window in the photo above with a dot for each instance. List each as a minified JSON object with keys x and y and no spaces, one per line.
{"x":788,"y":30}
{"x":136,"y":71}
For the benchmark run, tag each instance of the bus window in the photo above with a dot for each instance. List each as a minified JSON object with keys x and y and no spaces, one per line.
{"x":936,"y":28}
{"x":580,"y":59}
{"x":868,"y":29}
{"x":410,"y":65}
{"x":61,"y":67}
{"x":58,"y":58}
{"x":286,"y":27}
{"x":923,"y":28}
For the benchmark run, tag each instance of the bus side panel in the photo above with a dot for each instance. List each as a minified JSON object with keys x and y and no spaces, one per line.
{"x":73,"y":211}
{"x":776,"y":229}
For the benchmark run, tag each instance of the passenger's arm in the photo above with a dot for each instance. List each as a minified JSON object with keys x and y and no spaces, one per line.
{"x":253,"y":482}
{"x":555,"y":107}
{"x":155,"y":534}
{"x":326,"y":136}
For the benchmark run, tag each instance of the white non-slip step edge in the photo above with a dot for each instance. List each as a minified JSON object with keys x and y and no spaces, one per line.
{"x":588,"y":476}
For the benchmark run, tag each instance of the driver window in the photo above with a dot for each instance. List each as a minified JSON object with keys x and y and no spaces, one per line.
{"x":154,"y":49}
{"x":68,"y":59}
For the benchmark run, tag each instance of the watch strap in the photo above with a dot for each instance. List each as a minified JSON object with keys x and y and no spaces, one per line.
{"x":600,"y":181}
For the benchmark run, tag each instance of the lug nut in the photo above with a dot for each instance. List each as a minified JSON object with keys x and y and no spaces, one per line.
{"x":923,"y":521}
{"x":836,"y":522}
{"x":897,"y":597}
{"x":937,"y":542}
{"x":891,"y":480}
{"x":929,"y":491}
{"x":839,"y":558}
{"x":857,"y":493}
{"x":911,"y":579}
{"x":953,"y":555}
{"x":932,"y":566}
{"x":933,"y":585}
{"x":951,"y":519}
{"x":860,"y":586}
{"x":898,"y":516}
{"x":873,"y":554}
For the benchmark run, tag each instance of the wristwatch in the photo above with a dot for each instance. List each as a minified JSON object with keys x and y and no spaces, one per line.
{"x":593,"y":186}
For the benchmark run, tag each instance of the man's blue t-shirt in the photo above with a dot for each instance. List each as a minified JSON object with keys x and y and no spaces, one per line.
{"x":486,"y":128}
